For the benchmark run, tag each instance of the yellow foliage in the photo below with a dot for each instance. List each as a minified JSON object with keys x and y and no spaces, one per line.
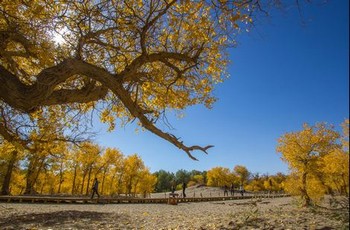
{"x":336,"y":170}
{"x":255,"y":186}
{"x":315,"y":189}
{"x":219,"y":176}
{"x":313,"y":155}
{"x":345,"y":136}
{"x":198,"y":179}
{"x":242,"y":173}
{"x":112,"y":37}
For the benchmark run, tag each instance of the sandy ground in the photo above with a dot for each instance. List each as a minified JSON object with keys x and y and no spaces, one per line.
{"x":278,"y":213}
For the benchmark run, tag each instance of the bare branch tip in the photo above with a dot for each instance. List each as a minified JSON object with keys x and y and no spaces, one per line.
{"x":191,"y":156}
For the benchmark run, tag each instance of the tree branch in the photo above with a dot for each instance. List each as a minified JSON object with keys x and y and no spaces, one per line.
{"x":28,"y":97}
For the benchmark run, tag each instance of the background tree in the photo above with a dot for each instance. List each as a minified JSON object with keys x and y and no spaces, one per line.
{"x":303,"y":151}
{"x":147,"y":183}
{"x":9,"y":158}
{"x":336,"y":171}
{"x":36,"y":138}
{"x":182,"y":176}
{"x":110,"y":166}
{"x":90,"y":159}
{"x":219,"y":177}
{"x":336,"y":164}
{"x":196,"y":179}
{"x":242,"y":173}
{"x":279,"y":181}
{"x":256,"y":183}
{"x":134,"y":167}
{"x":164,"y":180}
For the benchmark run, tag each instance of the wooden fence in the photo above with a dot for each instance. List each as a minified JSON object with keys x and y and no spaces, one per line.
{"x":126,"y":200}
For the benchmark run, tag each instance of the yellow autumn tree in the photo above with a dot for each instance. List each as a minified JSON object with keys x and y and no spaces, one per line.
{"x":136,"y":59}
{"x":133,"y":172}
{"x":111,"y":160}
{"x":278,"y":181}
{"x":336,"y":170}
{"x":336,"y":165}
{"x":9,"y":159}
{"x":37,"y":139}
{"x":147,"y":182}
{"x":90,"y":158}
{"x":303,"y":152}
{"x":197,"y":179}
{"x":219,"y":177}
{"x":242,"y":173}
{"x":256,"y":183}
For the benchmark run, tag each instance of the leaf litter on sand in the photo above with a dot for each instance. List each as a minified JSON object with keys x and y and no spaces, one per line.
{"x":280,"y":213}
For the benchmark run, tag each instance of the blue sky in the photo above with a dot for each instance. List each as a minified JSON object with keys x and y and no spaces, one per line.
{"x":286,"y":71}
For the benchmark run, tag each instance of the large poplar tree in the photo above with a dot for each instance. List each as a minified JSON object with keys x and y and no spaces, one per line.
{"x":304,"y":152}
{"x":131,"y":59}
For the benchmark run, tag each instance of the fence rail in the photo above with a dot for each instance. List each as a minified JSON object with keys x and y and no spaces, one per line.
{"x":126,"y":200}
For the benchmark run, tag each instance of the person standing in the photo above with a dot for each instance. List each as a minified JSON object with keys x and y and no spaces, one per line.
{"x":242,"y":192}
{"x":95,"y":189}
{"x":183,"y":189}
{"x":173,"y":187}
{"x":225,"y":191}
{"x":232,"y":189}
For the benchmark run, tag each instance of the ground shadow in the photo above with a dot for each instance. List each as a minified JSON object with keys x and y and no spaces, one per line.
{"x":52,"y":218}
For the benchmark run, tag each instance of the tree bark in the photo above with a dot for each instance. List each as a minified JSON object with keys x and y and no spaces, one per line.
{"x":44,"y":91}
{"x":88,"y":181}
{"x":74,"y":179}
{"x":33,"y":174}
{"x":304,"y":195}
{"x":60,"y":179}
{"x":103,"y":180}
{"x":30,"y":177}
{"x":111,"y":191}
{"x":82,"y":183}
{"x":5,"y":190}
{"x":120,"y":179}
{"x":345,"y":187}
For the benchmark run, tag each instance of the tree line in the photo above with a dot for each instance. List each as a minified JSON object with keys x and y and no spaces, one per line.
{"x":317,"y":156}
{"x":239,"y":177}
{"x":68,"y":169}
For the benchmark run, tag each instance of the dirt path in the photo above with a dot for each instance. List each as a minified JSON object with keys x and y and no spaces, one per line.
{"x":279,"y":213}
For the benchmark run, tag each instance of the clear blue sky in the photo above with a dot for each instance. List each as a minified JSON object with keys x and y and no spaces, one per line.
{"x":287,"y":71}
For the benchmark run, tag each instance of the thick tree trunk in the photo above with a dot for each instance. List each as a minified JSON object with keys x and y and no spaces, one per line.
{"x":33,"y":174}
{"x":119,"y":187}
{"x":29,"y":187}
{"x":304,"y":195}
{"x":111,"y":191}
{"x":74,"y":179}
{"x":88,"y":181}
{"x":42,"y":187}
{"x":59,"y":186}
{"x":82,"y":184}
{"x":5,"y":190}
{"x":129,"y":186}
{"x":29,"y":179}
{"x":60,"y":179}
{"x":345,"y":187}
{"x":38,"y":171}
{"x":135,"y":187}
{"x":103,"y":181}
